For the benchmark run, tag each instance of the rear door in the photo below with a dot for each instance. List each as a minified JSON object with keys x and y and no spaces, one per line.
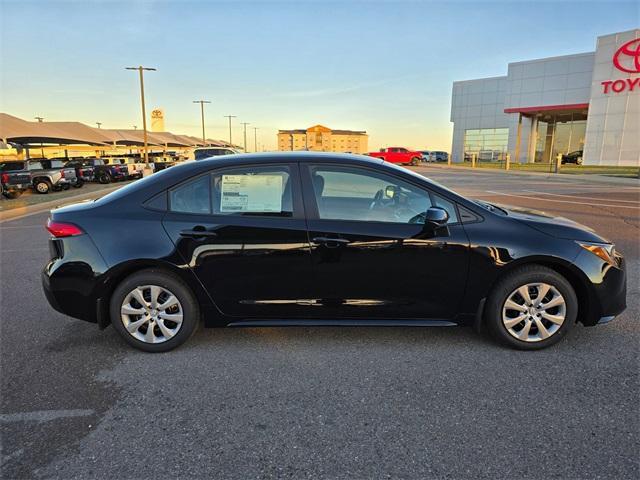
{"x":242,"y":230}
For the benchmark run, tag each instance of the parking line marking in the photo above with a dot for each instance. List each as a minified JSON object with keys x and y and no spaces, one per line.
{"x":43,"y":415}
{"x":562,"y":201}
{"x":579,"y":196}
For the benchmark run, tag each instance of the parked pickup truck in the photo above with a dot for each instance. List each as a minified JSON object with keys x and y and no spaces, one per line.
{"x":14,"y":179}
{"x":68,"y":172}
{"x":84,"y":173}
{"x":398,"y":155}
{"x":134,"y":169}
{"x":43,"y":180}
{"x":102,"y":173}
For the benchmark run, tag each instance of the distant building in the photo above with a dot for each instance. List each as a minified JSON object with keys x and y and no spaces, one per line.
{"x":323,"y":139}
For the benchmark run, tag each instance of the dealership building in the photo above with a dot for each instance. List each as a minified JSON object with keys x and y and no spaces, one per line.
{"x":587,"y":102}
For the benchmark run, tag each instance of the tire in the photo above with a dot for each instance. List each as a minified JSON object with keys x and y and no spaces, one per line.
{"x":104,"y":178}
{"x":579,"y":161}
{"x":169,"y":284}
{"x":66,"y":186}
{"x":13,"y":194}
{"x":79,"y":183}
{"x":42,"y":186}
{"x":499,"y":317}
{"x":415,"y":161}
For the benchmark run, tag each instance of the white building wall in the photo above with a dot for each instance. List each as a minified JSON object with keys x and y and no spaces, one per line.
{"x":476,"y":104}
{"x":613,"y":124}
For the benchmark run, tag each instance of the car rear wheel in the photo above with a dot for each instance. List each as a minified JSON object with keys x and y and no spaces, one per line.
{"x":42,"y":186}
{"x":415,"y":161}
{"x":12,"y":194}
{"x":154,"y":311}
{"x":104,"y":177}
{"x":531,"y":308}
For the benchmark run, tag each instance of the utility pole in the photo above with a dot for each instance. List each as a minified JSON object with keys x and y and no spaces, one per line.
{"x":202,"y":102}
{"x":40,"y":119}
{"x":255,"y":139}
{"x":99,"y":124}
{"x":245,"y":135}
{"x":141,"y":69}
{"x":230,"y":117}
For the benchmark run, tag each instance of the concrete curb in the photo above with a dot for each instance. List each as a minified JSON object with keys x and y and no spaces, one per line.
{"x":551,"y":176}
{"x":21,"y":212}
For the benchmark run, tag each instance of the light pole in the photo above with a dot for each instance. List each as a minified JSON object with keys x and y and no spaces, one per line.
{"x":255,"y":139}
{"x":99,"y":124}
{"x":230,"y":117}
{"x":202,"y":102}
{"x":245,"y":135}
{"x":141,"y":69}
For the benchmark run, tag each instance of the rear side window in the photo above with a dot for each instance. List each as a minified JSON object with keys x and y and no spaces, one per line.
{"x":192,"y":197}
{"x":255,"y":190}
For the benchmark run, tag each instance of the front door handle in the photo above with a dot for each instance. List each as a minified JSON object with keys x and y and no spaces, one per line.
{"x":198,"y":232}
{"x":330,"y":242}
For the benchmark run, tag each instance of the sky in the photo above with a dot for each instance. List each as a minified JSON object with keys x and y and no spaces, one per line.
{"x":386,"y":67}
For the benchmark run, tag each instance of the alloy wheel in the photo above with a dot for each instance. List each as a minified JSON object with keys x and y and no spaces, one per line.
{"x":151,"y":314}
{"x":534,"y":312}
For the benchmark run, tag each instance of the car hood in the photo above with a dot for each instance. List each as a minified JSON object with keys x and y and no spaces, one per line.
{"x":558,"y":227}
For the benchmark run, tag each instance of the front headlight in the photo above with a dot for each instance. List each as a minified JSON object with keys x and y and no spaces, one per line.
{"x":605,"y":251}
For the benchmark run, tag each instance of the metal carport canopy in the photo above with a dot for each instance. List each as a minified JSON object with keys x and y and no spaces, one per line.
{"x":16,"y":130}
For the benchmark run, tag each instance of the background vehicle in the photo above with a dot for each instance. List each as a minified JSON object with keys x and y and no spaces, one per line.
{"x":439,"y":156}
{"x":68,"y":172}
{"x":43,"y":180}
{"x":206,"y":152}
{"x":573,"y":157}
{"x":426,"y":156}
{"x":14,"y":178}
{"x":239,"y":240}
{"x":84,"y":173}
{"x":398,"y":155}
{"x":102,"y":172}
{"x":134,"y":168}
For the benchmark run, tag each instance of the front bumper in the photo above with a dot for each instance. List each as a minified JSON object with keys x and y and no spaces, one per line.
{"x":607,"y":288}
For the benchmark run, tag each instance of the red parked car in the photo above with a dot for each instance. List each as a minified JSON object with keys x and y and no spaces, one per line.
{"x":398,"y":155}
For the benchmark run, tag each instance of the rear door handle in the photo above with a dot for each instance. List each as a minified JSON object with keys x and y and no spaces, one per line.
{"x":330,"y":242}
{"x":198,"y":232}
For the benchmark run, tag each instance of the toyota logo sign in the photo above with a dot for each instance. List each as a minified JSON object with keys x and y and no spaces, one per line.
{"x":627,"y":57}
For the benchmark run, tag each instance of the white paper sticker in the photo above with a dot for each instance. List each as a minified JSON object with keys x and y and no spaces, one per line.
{"x":251,"y":193}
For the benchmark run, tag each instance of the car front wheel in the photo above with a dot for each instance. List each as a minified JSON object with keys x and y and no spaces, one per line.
{"x":531,"y":308}
{"x":154,"y":311}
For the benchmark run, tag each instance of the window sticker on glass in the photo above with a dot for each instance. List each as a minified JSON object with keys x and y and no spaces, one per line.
{"x":251,"y":193}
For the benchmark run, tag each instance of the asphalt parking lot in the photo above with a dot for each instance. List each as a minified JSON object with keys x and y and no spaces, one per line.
{"x":325,"y":402}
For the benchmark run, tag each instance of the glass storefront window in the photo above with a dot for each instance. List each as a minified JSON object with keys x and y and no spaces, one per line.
{"x":559,"y":133}
{"x":488,"y":144}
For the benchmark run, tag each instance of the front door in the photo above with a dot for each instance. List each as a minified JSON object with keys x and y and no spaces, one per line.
{"x":372,"y":255}
{"x":242,"y":231}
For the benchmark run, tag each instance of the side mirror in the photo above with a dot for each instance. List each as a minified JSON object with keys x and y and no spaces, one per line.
{"x":436,"y":217}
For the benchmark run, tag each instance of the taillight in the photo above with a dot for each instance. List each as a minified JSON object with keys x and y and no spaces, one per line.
{"x":61,"y":229}
{"x":5,"y":178}
{"x":61,"y":173}
{"x":80,"y":174}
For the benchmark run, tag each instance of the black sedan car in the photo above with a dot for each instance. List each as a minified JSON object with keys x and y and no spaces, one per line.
{"x":322,"y":239}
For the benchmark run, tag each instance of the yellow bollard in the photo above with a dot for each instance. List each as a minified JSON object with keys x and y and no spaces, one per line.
{"x":558,"y":162}
{"x":507,"y":162}
{"x":473,"y":160}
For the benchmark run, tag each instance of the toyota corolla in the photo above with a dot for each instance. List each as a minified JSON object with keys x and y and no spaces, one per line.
{"x":322,"y":239}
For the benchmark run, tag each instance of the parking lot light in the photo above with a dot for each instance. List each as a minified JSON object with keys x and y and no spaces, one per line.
{"x":141,"y":69}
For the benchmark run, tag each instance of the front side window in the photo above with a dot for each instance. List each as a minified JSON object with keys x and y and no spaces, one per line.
{"x":355,"y":194}
{"x":264,"y":190}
